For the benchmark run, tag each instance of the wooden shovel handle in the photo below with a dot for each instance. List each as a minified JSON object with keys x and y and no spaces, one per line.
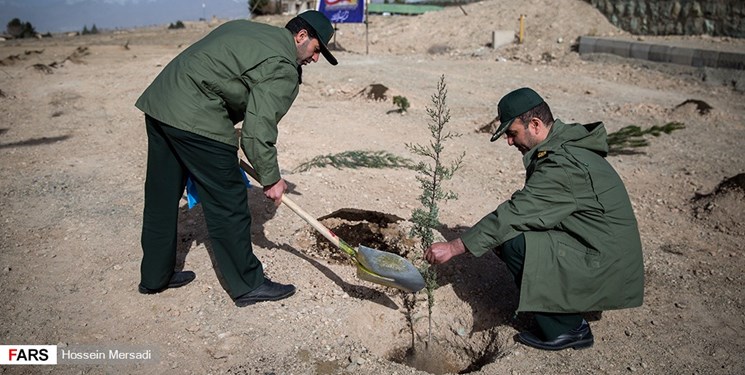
{"x":338,"y":242}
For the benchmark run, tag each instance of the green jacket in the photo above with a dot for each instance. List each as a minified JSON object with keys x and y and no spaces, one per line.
{"x":583,"y":251}
{"x":241,"y":71}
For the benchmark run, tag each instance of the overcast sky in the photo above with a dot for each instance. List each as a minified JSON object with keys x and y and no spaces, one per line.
{"x":72,"y":15}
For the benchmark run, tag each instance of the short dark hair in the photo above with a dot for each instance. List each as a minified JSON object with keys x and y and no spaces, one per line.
{"x":542,"y":111}
{"x":296,"y":24}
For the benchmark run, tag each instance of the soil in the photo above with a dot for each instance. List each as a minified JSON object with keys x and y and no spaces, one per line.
{"x":73,"y":151}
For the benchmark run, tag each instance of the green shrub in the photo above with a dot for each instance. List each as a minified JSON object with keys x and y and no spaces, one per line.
{"x":177,"y":25}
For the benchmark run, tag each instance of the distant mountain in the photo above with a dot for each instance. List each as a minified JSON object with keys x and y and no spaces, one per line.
{"x":73,"y":15}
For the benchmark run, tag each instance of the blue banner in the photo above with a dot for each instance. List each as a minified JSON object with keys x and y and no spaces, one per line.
{"x":343,"y":11}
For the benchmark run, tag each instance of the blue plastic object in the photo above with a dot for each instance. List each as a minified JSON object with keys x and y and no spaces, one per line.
{"x":192,"y":198}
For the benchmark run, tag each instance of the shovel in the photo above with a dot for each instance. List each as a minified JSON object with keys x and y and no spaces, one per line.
{"x":373,"y":265}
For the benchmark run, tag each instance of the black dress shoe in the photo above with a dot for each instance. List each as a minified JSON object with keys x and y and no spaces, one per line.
{"x":178,"y":279}
{"x":578,"y":338}
{"x":268,"y":291}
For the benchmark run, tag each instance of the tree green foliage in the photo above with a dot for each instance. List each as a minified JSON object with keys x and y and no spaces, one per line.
{"x":93,"y":30}
{"x":401,"y":102}
{"x":177,"y":25}
{"x":431,"y":175}
{"x":18,"y":29}
{"x":630,"y":138}
{"x":356,"y":159}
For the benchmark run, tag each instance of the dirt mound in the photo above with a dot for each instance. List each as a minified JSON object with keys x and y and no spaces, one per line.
{"x":724,"y":208}
{"x":453,"y":31}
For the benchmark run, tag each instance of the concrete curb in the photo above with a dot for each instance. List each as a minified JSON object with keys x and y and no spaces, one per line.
{"x":695,"y":57}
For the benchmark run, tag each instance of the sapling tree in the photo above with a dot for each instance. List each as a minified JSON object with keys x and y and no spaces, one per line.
{"x":431,"y":175}
{"x":402,"y":103}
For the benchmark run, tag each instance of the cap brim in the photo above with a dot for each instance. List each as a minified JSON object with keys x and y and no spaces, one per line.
{"x":501,"y":129}
{"x":326,"y":53}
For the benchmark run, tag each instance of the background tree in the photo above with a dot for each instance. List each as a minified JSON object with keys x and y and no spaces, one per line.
{"x":177,"y":25}
{"x":18,"y":29}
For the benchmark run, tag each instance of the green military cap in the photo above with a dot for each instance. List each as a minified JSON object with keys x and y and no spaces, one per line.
{"x":512,"y":105}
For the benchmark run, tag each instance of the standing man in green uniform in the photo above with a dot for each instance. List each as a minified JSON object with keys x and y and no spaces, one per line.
{"x":569,"y":236}
{"x":241,"y":71}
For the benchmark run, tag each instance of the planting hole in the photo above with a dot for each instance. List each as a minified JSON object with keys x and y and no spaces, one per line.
{"x":356,"y":227}
{"x":461,"y":343}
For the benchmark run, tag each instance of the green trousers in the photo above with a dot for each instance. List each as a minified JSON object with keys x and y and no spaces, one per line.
{"x":172,"y":155}
{"x":512,"y":252}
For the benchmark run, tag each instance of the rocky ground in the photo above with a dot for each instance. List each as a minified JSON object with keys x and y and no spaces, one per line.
{"x":73,"y":152}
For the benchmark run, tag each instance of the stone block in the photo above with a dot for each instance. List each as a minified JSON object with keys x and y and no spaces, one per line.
{"x":502,"y":38}
{"x":586,"y":45}
{"x":622,"y":48}
{"x":659,"y":53}
{"x":703,"y":57}
{"x":603,"y":46}
{"x":681,"y":56}
{"x":731,"y":60}
{"x":640,"y":51}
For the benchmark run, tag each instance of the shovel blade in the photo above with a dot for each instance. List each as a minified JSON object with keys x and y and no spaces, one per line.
{"x":388,"y":269}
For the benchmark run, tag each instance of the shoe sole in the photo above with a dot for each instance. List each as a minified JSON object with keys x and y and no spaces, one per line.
{"x":577,"y":345}
{"x":584,"y":344}
{"x":249,"y":302}
{"x":144,"y":290}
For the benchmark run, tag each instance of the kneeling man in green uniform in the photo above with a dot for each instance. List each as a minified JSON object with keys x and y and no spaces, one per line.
{"x":569,"y":236}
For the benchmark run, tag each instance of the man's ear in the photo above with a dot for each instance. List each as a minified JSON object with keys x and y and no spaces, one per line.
{"x":301,"y":36}
{"x":536,"y":125}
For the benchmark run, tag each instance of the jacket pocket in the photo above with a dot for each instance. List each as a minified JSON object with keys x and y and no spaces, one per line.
{"x":579,"y":255}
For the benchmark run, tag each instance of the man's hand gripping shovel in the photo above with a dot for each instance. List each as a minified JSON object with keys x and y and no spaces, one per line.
{"x":373,"y":265}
